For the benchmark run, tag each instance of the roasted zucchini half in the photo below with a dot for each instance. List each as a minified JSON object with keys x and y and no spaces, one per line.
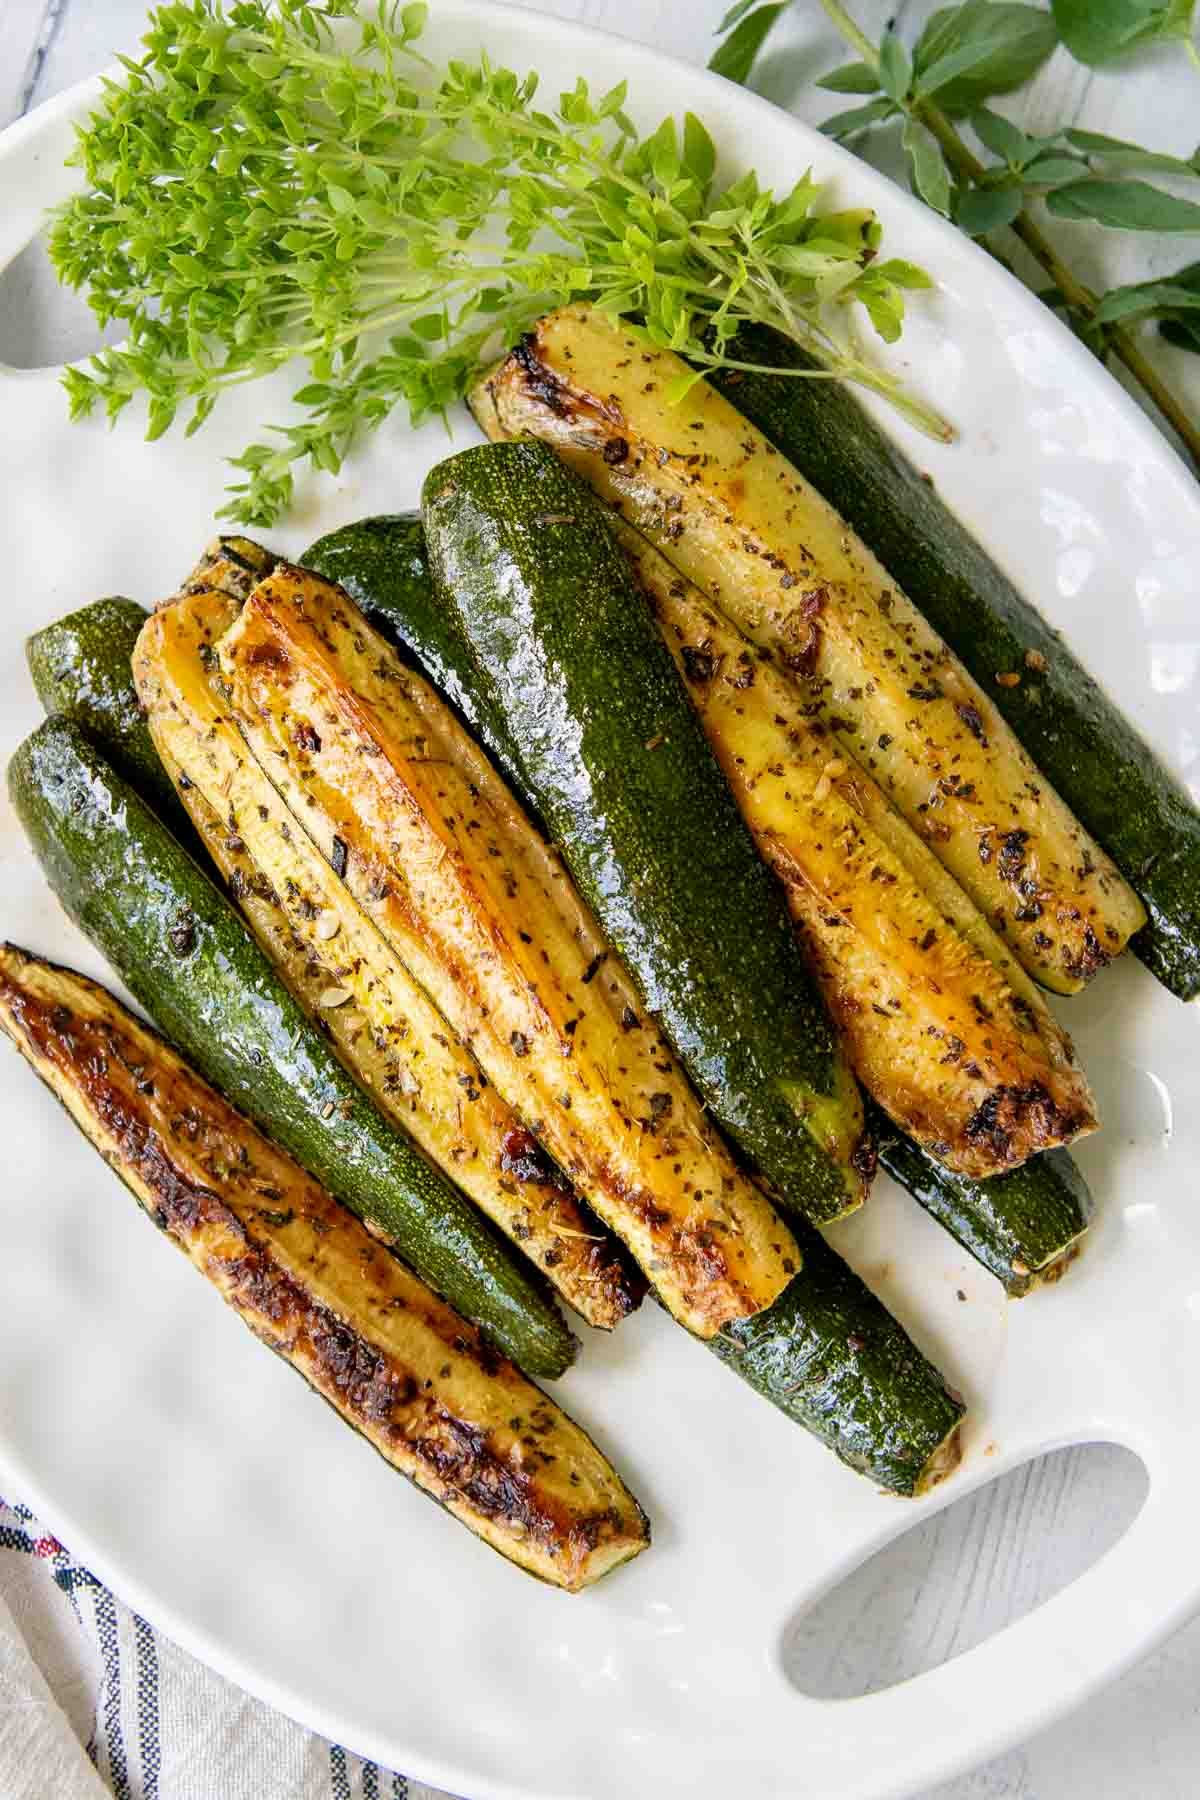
{"x":187,"y":957}
{"x":347,"y":977}
{"x":954,"y":1042}
{"x":433,"y":848}
{"x":417,"y":1381}
{"x":832,"y":1358}
{"x":1025,"y":1225}
{"x":737,"y":519}
{"x":608,"y":743}
{"x":1105,"y":771}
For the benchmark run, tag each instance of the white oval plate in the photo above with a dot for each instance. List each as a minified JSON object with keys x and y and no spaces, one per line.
{"x":200,"y":1479}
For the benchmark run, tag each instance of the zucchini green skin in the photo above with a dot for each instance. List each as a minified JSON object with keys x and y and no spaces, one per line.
{"x":81,"y":670}
{"x":881,"y":1405}
{"x":563,"y":646}
{"x":1022,"y":1226}
{"x":1107,"y":774}
{"x":383,"y":564}
{"x":186,"y":956}
{"x":1029,"y":1217}
{"x":830,"y":1356}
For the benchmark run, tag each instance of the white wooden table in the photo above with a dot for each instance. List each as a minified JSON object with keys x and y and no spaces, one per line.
{"x":975,"y":1567}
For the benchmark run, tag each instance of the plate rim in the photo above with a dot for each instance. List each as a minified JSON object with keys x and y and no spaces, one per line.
{"x":1149,"y":439}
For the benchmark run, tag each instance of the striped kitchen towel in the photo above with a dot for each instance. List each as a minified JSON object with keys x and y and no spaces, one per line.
{"x":94,"y":1703}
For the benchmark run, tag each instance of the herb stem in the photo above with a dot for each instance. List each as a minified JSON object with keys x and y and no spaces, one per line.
{"x":853,"y":33}
{"x":1080,"y":299}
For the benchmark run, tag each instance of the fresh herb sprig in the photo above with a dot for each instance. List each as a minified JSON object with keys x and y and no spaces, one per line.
{"x":272,"y":181}
{"x":972,"y":52}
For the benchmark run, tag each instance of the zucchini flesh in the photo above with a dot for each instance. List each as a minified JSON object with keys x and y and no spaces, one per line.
{"x":827,"y":1353}
{"x":831,"y":1357}
{"x":417,"y":1381}
{"x":188,"y":959}
{"x":974,"y":1071}
{"x":383,"y":564}
{"x":397,"y":797}
{"x":629,"y":787}
{"x":1025,"y":1226}
{"x":383,"y":1025}
{"x":940,"y":1024}
{"x":733,"y":516}
{"x":80,"y":666}
{"x":1102,"y":767}
{"x":1032,"y":1221}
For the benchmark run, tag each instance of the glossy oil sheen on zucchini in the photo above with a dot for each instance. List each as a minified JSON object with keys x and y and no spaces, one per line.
{"x":971,"y":1066}
{"x":733,"y":515}
{"x":345,"y":974}
{"x":1024,"y":1225}
{"x":827,"y":1353}
{"x":832,"y":1358}
{"x":1085,"y":745}
{"x":383,"y":564}
{"x":421,"y":1385}
{"x":189,"y":960}
{"x":80,"y":666}
{"x":621,"y":771}
{"x":433,"y":848}
{"x":941,"y":1025}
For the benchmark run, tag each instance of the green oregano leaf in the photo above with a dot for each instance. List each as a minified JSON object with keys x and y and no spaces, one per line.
{"x":1020,"y":39}
{"x":981,"y":210}
{"x":1134,"y":156}
{"x":1002,"y":137}
{"x":735,"y":57}
{"x":1124,"y":206}
{"x":895,"y":69}
{"x":1096,"y":31}
{"x":851,"y":78}
{"x":858,"y":118}
{"x":1156,"y":298}
{"x":732,"y":17}
{"x":929,"y":173}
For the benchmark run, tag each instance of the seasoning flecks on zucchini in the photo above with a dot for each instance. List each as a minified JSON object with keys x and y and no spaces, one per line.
{"x":383,"y":564}
{"x":733,"y":515}
{"x":433,"y":848}
{"x":189,"y":960}
{"x":1025,"y":1226}
{"x":344,"y":974}
{"x":826,"y":1352}
{"x":620,"y":769}
{"x":976,"y":1071}
{"x":1083,"y":743}
{"x":419,"y":1383}
{"x":832,"y":1358}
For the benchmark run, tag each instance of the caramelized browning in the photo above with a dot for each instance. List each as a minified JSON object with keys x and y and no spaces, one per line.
{"x":341,"y":969}
{"x":973,"y":1067}
{"x":474,"y":903}
{"x":734,"y":516}
{"x":422,"y":1385}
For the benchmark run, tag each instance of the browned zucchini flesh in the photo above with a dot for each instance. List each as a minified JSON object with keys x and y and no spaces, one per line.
{"x":417,"y":1381}
{"x":738,"y":520}
{"x":345,"y":974}
{"x":479,"y":909}
{"x":946,"y":1032}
